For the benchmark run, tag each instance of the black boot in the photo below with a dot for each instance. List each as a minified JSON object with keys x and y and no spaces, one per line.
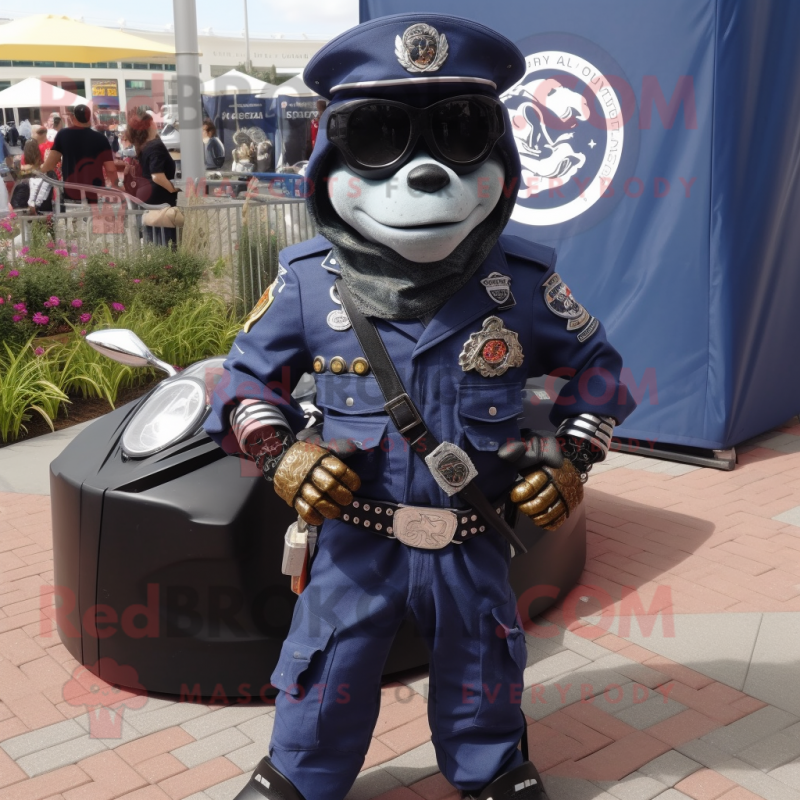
{"x":267,"y":782}
{"x":522,"y":783}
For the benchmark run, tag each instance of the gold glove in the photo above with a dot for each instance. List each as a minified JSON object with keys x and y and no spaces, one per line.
{"x":548,"y":495}
{"x":314,"y":482}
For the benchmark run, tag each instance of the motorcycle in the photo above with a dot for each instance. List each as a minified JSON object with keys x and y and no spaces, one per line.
{"x":168,"y":552}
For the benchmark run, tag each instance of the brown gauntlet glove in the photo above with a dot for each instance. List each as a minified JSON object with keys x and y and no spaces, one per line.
{"x":550,"y":488}
{"x":315,"y":481}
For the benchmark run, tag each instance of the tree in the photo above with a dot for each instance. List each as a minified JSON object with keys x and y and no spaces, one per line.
{"x":270,"y":74}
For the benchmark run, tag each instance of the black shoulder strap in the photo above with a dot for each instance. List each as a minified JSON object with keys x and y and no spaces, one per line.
{"x":405,"y":416}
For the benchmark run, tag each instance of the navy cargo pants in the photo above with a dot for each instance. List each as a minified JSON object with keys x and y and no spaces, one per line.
{"x":361,"y":588}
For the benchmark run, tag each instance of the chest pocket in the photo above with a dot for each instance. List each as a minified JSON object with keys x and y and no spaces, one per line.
{"x":353,"y":409}
{"x":489,"y":413}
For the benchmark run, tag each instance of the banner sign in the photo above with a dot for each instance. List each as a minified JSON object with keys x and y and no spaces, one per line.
{"x":105,"y":92}
{"x":656,"y":148}
{"x":246,"y":125}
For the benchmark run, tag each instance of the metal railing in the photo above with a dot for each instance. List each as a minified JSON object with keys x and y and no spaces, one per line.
{"x":240,"y":236}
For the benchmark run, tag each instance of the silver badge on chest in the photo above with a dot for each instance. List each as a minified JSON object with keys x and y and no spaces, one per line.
{"x":492,"y":351}
{"x":338,"y":320}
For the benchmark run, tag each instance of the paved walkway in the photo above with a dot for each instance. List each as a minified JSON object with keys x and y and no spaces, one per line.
{"x":672,"y":671}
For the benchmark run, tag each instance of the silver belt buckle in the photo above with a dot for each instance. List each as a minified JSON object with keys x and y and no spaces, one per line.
{"x":426,"y":528}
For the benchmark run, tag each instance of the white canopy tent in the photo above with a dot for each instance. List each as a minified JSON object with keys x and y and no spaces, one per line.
{"x":235,"y":82}
{"x":294,"y":87}
{"x":33,"y":93}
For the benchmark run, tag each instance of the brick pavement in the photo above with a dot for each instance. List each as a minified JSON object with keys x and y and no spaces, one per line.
{"x":611,"y":712}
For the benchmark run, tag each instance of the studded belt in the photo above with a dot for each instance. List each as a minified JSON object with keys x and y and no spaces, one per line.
{"x":417,"y":526}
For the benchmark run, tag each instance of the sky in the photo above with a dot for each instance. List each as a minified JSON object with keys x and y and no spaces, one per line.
{"x":315,"y":18}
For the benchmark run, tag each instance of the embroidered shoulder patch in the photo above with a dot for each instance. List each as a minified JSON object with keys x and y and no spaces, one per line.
{"x":562,"y":303}
{"x":261,"y":306}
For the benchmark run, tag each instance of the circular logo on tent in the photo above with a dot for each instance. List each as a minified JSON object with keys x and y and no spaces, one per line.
{"x":573,"y":116}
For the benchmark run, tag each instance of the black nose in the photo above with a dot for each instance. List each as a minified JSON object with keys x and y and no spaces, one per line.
{"x":428,"y":178}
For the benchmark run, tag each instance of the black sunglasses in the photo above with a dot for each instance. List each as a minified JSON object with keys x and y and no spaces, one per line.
{"x":376,"y":137}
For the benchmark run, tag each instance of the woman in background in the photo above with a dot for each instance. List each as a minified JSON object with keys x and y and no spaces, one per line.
{"x":155,"y":186}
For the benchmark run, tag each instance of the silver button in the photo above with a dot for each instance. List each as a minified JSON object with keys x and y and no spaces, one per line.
{"x":473,"y":517}
{"x":346,"y":517}
{"x":390,"y":530}
{"x":473,"y":530}
{"x":356,"y":504}
{"x":492,"y":411}
{"x":366,"y":506}
{"x":349,"y":401}
{"x":378,"y":526}
{"x":378,"y":509}
{"x":297,"y":654}
{"x":355,"y":520}
{"x":366,"y":523}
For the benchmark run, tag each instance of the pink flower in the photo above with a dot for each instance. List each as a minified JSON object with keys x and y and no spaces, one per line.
{"x":13,"y":273}
{"x":40,"y":319}
{"x":54,"y":301}
{"x":85,"y":317}
{"x":105,"y":251}
{"x":61,"y":253}
{"x":1,"y":301}
{"x":60,"y":242}
{"x":17,"y":317}
{"x":118,"y":306}
{"x":76,"y":303}
{"x":21,"y":308}
{"x":83,"y":255}
{"x":51,"y":245}
{"x":167,"y":266}
{"x":83,"y":333}
{"x":137,"y":280}
{"x":110,"y":263}
{"x":39,"y":351}
{"x":24,"y":251}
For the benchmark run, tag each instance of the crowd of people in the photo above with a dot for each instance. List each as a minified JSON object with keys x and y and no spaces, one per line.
{"x":85,"y":158}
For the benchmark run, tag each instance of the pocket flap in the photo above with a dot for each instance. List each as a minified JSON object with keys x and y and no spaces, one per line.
{"x":366,"y":433}
{"x":507,"y":616}
{"x":490,"y":402}
{"x":488,"y":438}
{"x":310,"y":634}
{"x":349,"y":394}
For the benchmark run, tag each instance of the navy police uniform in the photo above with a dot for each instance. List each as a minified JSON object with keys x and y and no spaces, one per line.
{"x":362,"y":584}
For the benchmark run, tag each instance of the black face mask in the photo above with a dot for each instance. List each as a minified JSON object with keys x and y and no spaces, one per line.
{"x":377,"y":137}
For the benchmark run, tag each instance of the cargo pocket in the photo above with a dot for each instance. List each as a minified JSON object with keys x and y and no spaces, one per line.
{"x":502,"y":663}
{"x":302,"y":673}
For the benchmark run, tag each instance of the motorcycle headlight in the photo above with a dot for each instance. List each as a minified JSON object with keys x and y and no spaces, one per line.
{"x":172,"y":411}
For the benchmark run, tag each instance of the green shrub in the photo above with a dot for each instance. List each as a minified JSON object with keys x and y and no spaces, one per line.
{"x":26,"y":387}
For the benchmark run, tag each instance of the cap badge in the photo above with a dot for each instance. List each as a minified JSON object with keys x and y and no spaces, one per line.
{"x":421,"y":48}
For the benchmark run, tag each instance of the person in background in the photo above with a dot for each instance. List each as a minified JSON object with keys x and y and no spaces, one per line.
{"x":85,"y":156}
{"x":40,"y":137}
{"x":40,"y":192}
{"x":155,"y":186}
{"x":132,"y":170}
{"x":214,"y":149}
{"x":321,"y":106}
{"x":5,"y":157}
{"x":57,"y":124}
{"x":25,"y":131}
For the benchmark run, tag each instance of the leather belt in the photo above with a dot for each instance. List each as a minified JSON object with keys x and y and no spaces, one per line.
{"x":417,"y":526}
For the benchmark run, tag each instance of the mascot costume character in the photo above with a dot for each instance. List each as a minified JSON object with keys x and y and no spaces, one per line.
{"x":421,"y":324}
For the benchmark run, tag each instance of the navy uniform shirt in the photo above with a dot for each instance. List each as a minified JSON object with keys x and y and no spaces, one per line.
{"x":474,"y":412}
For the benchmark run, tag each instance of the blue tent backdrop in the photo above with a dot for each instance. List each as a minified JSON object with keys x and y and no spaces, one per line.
{"x":661,"y":156}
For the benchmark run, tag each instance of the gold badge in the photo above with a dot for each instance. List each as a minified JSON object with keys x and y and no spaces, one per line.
{"x":421,"y":48}
{"x":492,"y":350}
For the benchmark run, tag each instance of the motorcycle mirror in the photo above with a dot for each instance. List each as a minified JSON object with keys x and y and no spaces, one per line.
{"x":125,"y":347}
